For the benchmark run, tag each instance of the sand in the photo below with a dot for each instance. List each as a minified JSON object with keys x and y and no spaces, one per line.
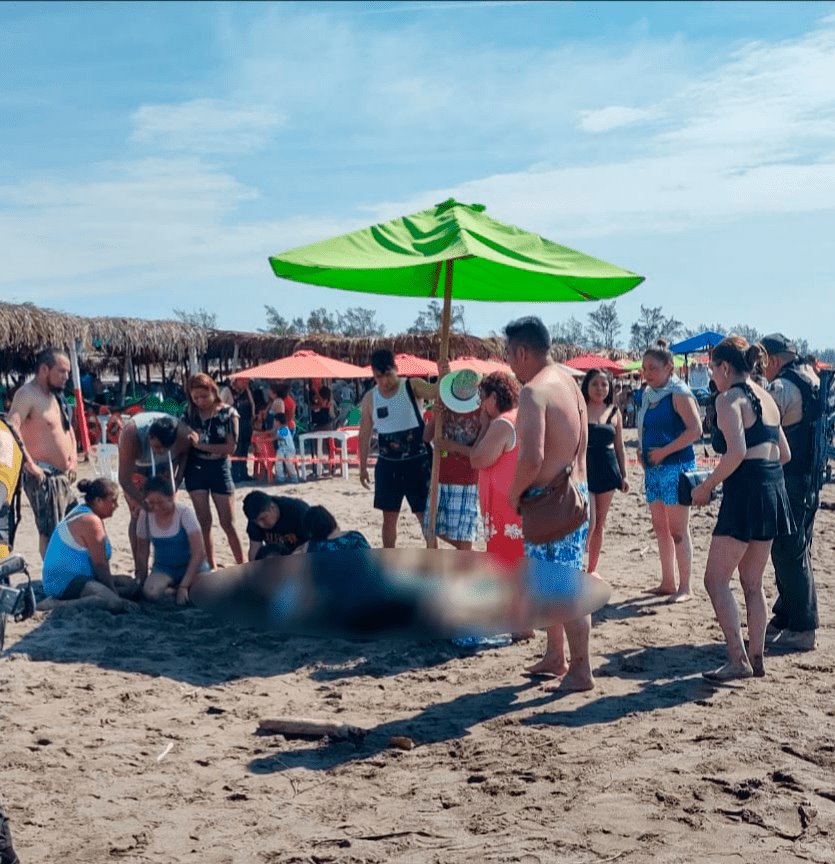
{"x":133,"y":738}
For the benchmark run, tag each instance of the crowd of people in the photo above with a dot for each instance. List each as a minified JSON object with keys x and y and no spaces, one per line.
{"x":504,"y":441}
{"x":504,"y":438}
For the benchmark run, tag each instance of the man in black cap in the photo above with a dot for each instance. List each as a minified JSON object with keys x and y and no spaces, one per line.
{"x":794,"y":386}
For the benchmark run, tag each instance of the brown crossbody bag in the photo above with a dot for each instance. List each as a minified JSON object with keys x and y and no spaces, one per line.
{"x":558,"y":509}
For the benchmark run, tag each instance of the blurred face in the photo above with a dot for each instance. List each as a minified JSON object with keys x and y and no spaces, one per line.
{"x":518,"y":358}
{"x":105,"y":507}
{"x":267,"y":518}
{"x":156,"y":445}
{"x":58,"y":375}
{"x":721,"y":374}
{"x":489,"y":403}
{"x":159,"y":503}
{"x":239,"y":384}
{"x":772,"y":367}
{"x":387,"y":380}
{"x":202,"y":398}
{"x":598,"y":389}
{"x":656,"y":373}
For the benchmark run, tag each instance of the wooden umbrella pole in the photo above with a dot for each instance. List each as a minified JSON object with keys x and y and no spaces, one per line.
{"x":443,"y":357}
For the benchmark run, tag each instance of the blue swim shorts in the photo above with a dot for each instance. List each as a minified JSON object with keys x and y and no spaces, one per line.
{"x":569,"y":550}
{"x":661,"y":481}
{"x":459,"y":517}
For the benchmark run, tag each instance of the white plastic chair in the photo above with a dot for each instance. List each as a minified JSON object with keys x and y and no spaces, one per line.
{"x":105,"y":459}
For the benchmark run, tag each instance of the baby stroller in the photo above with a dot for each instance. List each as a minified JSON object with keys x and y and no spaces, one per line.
{"x":19,"y":602}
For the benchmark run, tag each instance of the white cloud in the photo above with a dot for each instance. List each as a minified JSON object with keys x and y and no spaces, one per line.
{"x":204,"y":125}
{"x":756,"y":136}
{"x":613,"y":117}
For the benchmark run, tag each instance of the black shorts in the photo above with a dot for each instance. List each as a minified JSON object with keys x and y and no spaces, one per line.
{"x":209,"y":475}
{"x":393,"y":479}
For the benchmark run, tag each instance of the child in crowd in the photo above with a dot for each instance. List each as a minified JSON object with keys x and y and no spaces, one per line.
{"x":285,"y":450}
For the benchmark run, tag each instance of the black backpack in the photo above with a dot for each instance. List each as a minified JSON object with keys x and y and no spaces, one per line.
{"x":819,"y":414}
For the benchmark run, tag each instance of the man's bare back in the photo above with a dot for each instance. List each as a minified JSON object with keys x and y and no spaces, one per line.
{"x":552,"y":415}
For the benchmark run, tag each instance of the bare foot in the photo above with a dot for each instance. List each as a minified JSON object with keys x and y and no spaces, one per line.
{"x":550,"y":664}
{"x":573,"y":682}
{"x":680,"y":597}
{"x":661,"y":589}
{"x":757,"y":666}
{"x":729,"y":672}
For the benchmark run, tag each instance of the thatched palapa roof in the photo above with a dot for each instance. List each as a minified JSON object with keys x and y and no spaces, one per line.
{"x":25,"y":329}
{"x":147,"y":341}
{"x":254,"y":348}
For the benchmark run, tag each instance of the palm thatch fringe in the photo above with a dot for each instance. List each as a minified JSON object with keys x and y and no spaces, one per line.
{"x":25,"y":329}
{"x":256,"y":348}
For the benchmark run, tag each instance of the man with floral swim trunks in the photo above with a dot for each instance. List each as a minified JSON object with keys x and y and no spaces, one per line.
{"x":551,"y":426}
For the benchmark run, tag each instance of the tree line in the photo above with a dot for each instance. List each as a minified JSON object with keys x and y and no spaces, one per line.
{"x":601,"y":330}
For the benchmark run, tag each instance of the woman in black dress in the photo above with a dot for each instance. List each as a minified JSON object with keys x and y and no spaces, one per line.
{"x":605,"y":458}
{"x":754,"y":509}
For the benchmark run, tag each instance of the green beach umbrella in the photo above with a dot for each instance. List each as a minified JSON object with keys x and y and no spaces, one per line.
{"x":453,"y":250}
{"x":636,"y":365}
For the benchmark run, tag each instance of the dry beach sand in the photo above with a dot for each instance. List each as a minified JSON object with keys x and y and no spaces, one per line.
{"x":133,"y":738}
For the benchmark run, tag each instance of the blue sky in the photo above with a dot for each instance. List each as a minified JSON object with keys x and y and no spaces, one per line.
{"x":154,"y":155}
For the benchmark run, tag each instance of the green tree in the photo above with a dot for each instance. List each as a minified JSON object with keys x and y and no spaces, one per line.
{"x":199,"y":317}
{"x":751,"y":334}
{"x":358,"y":321}
{"x":569,"y":332}
{"x":703,"y":328}
{"x":604,"y":326}
{"x":278,"y":324}
{"x":429,"y":321}
{"x":321,"y":321}
{"x":651,"y":326}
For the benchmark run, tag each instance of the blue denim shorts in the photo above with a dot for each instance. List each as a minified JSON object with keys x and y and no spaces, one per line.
{"x":569,"y":550}
{"x":661,"y":481}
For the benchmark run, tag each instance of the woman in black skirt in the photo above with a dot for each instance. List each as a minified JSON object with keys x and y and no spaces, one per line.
{"x":754,"y":507}
{"x":605,"y":459}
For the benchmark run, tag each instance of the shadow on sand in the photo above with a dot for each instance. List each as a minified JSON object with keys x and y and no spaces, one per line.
{"x":196,"y":648}
{"x":667,"y":670}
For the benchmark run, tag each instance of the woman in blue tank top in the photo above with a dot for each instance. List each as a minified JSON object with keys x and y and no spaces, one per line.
{"x":77,"y":561}
{"x":172,"y":529}
{"x":668,"y":425}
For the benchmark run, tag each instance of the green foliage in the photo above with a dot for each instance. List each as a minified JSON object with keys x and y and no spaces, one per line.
{"x":429,"y":321}
{"x":569,"y":332}
{"x":604,"y":326}
{"x":199,"y":317}
{"x":651,"y":326}
{"x":356,"y":321}
{"x":278,"y":324}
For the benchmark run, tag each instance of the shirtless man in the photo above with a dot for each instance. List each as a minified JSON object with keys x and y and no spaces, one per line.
{"x":552,"y":431}
{"x":42,"y":419}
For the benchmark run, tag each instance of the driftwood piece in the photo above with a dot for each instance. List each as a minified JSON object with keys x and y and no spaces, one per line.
{"x":308,"y":728}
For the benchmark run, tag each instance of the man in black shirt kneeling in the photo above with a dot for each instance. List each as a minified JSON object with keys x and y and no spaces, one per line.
{"x":274,"y":524}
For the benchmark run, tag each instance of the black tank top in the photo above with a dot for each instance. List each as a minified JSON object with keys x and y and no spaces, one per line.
{"x":756,"y":433}
{"x":602,"y":434}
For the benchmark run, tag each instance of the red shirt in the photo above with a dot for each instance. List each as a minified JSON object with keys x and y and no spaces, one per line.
{"x":290,"y":411}
{"x":455,"y":468}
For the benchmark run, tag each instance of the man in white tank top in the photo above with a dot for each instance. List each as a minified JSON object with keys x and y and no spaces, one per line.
{"x":394,"y":408}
